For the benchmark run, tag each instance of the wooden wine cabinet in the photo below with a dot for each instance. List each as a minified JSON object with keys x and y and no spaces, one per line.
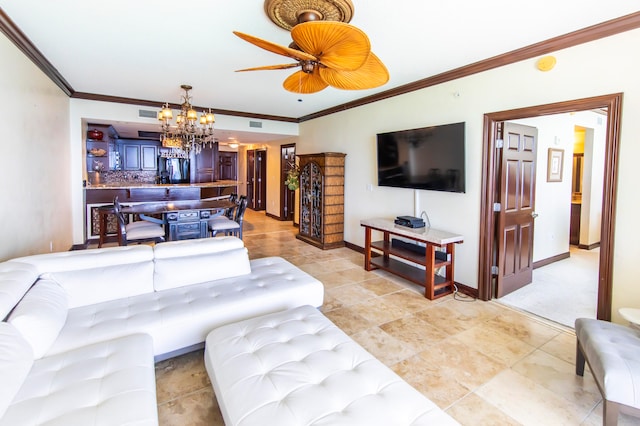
{"x":322,"y":199}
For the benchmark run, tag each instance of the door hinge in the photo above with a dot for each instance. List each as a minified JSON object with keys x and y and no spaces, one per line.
{"x":499,"y":143}
{"x":494,"y":270}
{"x":497,"y":207}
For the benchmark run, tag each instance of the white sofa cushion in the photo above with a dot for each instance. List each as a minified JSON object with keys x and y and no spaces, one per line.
{"x":199,"y":246}
{"x":108,"y":383}
{"x":16,"y":359}
{"x":93,"y":276}
{"x":40,"y":315}
{"x":172,"y":272}
{"x":15,"y":279}
{"x":298,"y":368}
{"x":181,"y":317}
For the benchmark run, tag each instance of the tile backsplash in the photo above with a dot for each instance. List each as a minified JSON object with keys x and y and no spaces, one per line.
{"x":117,"y":176}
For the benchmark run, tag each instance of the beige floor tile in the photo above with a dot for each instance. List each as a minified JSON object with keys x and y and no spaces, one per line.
{"x":358,"y":274}
{"x":194,"y":409}
{"x":347,"y":320}
{"x":560,"y":377}
{"x":431,"y":381}
{"x":523,"y":327}
{"x":472,"y":410}
{"x":463,"y":363}
{"x":562,"y":346}
{"x":495,"y":344}
{"x":337,"y":265}
{"x":528,"y":402}
{"x":445,"y":317}
{"x":180,"y":375}
{"x":414,"y":332}
{"x":334,"y":279}
{"x":330,"y":303}
{"x":407,"y":300}
{"x":383,"y":346}
{"x":378,"y":312}
{"x":380,"y":286}
{"x":351,"y":294}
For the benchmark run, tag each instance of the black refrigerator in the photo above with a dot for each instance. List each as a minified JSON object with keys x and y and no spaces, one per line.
{"x":173,"y":170}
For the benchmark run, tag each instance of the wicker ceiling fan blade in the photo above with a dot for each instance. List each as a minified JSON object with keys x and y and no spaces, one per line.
{"x":276,"y":48}
{"x":336,"y":45}
{"x":372,"y":74}
{"x":302,"y":82}
{"x":270,"y":67}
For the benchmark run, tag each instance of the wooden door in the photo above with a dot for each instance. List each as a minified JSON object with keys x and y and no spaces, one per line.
{"x":260,"y":186}
{"x":287,"y":196}
{"x":228,"y":162}
{"x":517,"y":208}
{"x":251,"y":171}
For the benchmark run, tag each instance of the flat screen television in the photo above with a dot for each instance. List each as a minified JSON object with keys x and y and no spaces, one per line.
{"x":427,"y":158}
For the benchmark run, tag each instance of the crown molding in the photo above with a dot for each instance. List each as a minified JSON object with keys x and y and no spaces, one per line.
{"x":22,"y":42}
{"x":585,"y":35}
{"x":158,"y":105}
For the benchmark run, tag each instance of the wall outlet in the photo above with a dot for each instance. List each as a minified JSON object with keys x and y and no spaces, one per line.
{"x":370,"y":187}
{"x":51,"y":246}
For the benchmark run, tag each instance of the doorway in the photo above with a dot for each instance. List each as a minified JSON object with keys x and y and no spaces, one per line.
{"x":491,"y":166}
{"x":287,"y":196}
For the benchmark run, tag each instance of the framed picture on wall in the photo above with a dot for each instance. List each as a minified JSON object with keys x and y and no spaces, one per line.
{"x":554,"y":165}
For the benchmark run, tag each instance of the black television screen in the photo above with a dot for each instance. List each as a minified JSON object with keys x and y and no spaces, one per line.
{"x":427,"y":158}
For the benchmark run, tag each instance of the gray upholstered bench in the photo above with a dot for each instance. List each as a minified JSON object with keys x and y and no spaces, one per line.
{"x":297,"y":368}
{"x":613,"y":354}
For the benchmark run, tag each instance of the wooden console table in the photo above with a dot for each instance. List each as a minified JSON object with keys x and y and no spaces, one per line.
{"x":438,"y":252}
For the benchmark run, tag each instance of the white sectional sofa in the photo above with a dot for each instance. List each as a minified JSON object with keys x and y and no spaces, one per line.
{"x":81,"y":330}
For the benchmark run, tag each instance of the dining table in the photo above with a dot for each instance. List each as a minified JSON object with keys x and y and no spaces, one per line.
{"x":184,"y":219}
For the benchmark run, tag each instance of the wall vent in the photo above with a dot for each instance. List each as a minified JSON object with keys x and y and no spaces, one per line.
{"x":257,"y":124}
{"x":147,"y":113}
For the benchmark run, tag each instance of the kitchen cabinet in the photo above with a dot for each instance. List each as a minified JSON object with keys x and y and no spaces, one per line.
{"x":139,"y":157}
{"x":322,"y":199}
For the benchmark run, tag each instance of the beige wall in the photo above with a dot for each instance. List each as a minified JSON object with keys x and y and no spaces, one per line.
{"x":36,"y":210}
{"x":602,"y":67}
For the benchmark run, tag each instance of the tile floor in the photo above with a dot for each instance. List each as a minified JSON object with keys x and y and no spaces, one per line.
{"x":482,"y":362}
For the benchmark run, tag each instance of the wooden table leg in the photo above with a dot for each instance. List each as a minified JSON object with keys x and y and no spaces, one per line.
{"x":367,"y":249}
{"x":449,"y":267}
{"x":429,"y":271}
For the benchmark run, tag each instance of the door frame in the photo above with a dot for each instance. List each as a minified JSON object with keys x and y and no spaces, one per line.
{"x":613,"y":103}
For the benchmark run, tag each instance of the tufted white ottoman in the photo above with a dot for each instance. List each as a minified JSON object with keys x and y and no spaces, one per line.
{"x":297,"y":368}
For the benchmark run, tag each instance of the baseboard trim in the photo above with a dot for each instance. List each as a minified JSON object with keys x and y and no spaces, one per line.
{"x":589,"y":246}
{"x":466,"y":290}
{"x":354,"y":247}
{"x":550,"y":260}
{"x":272,"y":216}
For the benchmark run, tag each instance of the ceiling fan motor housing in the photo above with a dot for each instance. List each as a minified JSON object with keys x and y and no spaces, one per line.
{"x":288,"y":13}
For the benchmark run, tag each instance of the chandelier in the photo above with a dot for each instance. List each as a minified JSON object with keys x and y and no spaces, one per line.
{"x":188,"y":133}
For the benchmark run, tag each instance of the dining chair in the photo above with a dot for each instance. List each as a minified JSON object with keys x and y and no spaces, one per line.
{"x":139,"y":232}
{"x":222,"y":224}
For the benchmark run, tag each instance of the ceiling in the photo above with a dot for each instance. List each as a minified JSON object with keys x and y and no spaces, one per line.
{"x":146,"y":49}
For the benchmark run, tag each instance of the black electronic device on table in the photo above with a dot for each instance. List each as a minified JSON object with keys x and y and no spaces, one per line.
{"x":409,"y":221}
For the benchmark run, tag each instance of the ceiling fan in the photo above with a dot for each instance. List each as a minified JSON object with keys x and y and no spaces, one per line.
{"x":328,"y":52}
